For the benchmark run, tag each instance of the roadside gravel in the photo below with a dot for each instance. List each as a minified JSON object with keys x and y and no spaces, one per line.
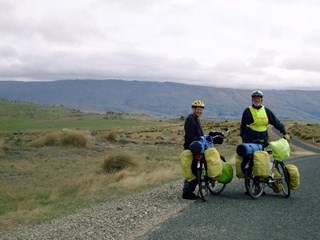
{"x":125,"y":218}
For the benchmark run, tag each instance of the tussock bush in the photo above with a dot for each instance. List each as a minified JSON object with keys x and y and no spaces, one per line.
{"x":64,"y":139}
{"x":112,"y":137}
{"x":74,"y":139}
{"x":52,"y":139}
{"x":117,"y":162}
{"x":3,"y":146}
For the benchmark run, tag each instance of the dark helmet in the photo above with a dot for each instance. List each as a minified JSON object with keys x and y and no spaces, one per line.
{"x":197,"y":103}
{"x":196,"y":147}
{"x":257,"y":93}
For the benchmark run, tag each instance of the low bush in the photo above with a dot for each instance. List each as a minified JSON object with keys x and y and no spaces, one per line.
{"x":112,"y":137}
{"x":74,"y":139}
{"x":117,"y":162}
{"x":64,"y":139}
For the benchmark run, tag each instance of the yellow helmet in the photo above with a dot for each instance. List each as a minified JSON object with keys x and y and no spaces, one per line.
{"x":197,"y":103}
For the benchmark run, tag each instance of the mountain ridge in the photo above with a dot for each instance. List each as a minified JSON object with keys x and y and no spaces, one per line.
{"x":161,"y":99}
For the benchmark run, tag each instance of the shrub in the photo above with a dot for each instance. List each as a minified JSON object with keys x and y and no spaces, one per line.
{"x":74,"y":139}
{"x":111,"y":137}
{"x":64,"y":139}
{"x":118,"y":162}
{"x":51,"y":140}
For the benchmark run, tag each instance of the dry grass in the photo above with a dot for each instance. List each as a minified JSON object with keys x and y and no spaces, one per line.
{"x":46,"y":174}
{"x":118,"y":162}
{"x":309,"y":132}
{"x":66,"y":138}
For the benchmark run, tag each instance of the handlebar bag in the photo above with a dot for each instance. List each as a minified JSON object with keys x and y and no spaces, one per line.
{"x":261,"y":164}
{"x":214,"y":165}
{"x":280,"y":149}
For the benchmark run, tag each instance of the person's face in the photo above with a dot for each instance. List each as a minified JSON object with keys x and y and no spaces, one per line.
{"x":197,"y":111}
{"x":257,"y":101}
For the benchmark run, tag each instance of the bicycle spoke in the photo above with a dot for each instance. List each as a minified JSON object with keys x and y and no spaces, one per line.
{"x":254,"y":187}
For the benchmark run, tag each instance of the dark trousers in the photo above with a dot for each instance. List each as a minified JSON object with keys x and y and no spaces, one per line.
{"x":189,"y":187}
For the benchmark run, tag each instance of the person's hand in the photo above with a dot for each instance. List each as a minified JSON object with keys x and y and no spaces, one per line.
{"x":287,"y":137}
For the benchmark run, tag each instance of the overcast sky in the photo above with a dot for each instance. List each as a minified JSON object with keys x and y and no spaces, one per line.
{"x":266,"y":44}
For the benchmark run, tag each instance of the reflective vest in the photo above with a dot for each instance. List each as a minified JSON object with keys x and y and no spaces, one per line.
{"x":260,"y":119}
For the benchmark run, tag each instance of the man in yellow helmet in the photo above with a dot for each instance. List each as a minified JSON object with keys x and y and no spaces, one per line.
{"x":193,"y":131}
{"x":192,"y":126}
{"x":255,"y":121}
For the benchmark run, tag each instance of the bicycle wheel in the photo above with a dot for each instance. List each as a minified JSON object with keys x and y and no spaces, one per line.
{"x":254,"y":186}
{"x":202,"y":183}
{"x":215,"y":188}
{"x":285,"y":180}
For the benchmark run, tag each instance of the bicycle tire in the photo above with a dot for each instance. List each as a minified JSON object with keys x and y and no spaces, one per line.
{"x":285,"y":180}
{"x":253,"y":186}
{"x":214,"y":187}
{"x":202,"y":185}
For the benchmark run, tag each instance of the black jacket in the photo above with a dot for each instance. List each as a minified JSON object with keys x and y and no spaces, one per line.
{"x":248,"y":135}
{"x":192,"y":129}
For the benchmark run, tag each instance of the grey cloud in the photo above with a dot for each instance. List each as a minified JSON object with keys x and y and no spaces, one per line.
{"x":160,"y":40}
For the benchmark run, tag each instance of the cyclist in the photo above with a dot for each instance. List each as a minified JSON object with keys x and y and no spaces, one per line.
{"x":193,"y":131}
{"x":255,"y":121}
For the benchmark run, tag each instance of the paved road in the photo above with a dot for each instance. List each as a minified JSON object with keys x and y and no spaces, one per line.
{"x":233,"y":215}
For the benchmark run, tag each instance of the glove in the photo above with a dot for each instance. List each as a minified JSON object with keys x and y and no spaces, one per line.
{"x":213,"y":134}
{"x":287,"y":137}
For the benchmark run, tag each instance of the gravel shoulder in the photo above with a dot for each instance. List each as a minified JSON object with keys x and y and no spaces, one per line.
{"x":125,"y":218}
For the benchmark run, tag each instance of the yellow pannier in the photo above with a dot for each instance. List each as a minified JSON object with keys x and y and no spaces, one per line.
{"x":277,"y":185}
{"x":280,"y":149}
{"x":261,"y":164}
{"x":186,"y":162}
{"x":294,"y":176}
{"x":214,"y":165}
{"x":238,"y":162}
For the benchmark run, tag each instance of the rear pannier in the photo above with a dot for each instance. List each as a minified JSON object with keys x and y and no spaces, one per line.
{"x":261,"y":164}
{"x":214,"y":165}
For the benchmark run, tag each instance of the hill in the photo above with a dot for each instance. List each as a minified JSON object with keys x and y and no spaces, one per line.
{"x":160,"y":99}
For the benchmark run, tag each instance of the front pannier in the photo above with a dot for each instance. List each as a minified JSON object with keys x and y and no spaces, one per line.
{"x":294,"y":176}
